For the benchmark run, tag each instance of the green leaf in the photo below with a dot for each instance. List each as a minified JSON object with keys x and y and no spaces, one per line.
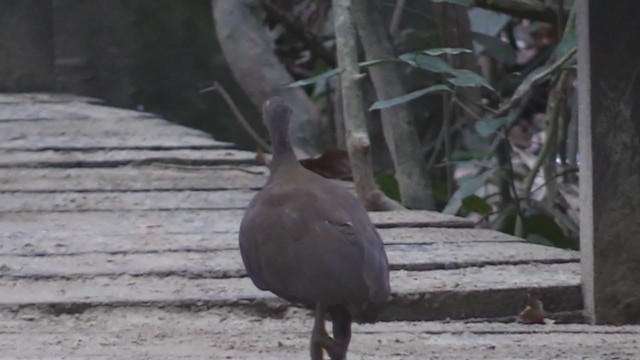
{"x":466,"y":78}
{"x":467,"y":188}
{"x":567,"y":43}
{"x":496,"y":48}
{"x":441,"y":51}
{"x":488,"y":126}
{"x":539,"y":239}
{"x":459,"y":155}
{"x":368,"y":63}
{"x":433,"y":64}
{"x":533,"y":78}
{"x":383,"y":104}
{"x":389,"y":185}
{"x":333,"y":72}
{"x":487,"y":22}
{"x":314,"y":79}
{"x":409,"y":58}
{"x":462,"y":77}
{"x":465,"y":3}
{"x":545,"y":226}
{"x":506,"y":219}
{"x":476,"y":204}
{"x":439,"y":190}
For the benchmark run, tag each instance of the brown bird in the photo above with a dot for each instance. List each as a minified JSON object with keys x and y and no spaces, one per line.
{"x":310,"y":241}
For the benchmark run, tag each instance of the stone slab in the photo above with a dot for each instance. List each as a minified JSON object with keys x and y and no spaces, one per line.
{"x":101,"y":133}
{"x":416,"y":295}
{"x":133,"y":178}
{"x":418,"y":218}
{"x":65,"y":110}
{"x":125,"y":201}
{"x":224,"y":333}
{"x":35,"y":97}
{"x":193,"y":263}
{"x":123,"y":157}
{"x":177,"y":222}
{"x":29,"y":244}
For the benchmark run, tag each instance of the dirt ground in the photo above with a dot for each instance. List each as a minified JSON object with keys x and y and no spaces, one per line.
{"x":232,"y":333}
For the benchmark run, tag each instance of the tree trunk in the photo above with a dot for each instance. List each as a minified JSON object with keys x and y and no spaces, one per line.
{"x":397,"y":123}
{"x":358,"y":144}
{"x":455,"y":31}
{"x":249,"y":51}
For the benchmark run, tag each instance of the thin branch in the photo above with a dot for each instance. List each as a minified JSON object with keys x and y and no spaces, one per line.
{"x":531,"y":10}
{"x":236,"y":112}
{"x":568,"y":170}
{"x":447,"y":119}
{"x":313,"y":43}
{"x":396,"y":17}
{"x":519,"y":225}
{"x":538,"y":79}
{"x":466,"y":108}
{"x":548,"y":149}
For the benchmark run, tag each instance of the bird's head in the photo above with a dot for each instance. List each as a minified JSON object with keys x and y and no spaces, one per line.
{"x":276,"y":114}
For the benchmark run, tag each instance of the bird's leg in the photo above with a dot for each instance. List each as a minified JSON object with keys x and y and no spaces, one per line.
{"x":320,"y":339}
{"x":341,"y":330}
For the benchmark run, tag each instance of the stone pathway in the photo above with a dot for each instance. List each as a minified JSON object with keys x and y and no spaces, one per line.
{"x":118,"y":239}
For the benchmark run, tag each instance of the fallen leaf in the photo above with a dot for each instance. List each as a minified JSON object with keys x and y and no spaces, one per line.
{"x":261,"y":158}
{"x":533,"y":312}
{"x":332,"y":164}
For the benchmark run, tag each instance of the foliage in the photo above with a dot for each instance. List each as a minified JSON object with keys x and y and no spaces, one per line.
{"x":501,"y":178}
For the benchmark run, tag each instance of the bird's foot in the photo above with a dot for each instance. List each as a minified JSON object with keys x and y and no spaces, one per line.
{"x":322,"y":341}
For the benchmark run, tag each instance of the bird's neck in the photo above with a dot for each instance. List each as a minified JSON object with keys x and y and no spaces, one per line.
{"x":283,"y":155}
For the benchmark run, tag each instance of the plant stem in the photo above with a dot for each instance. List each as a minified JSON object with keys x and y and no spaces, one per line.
{"x":238,"y":115}
{"x":358,"y":144}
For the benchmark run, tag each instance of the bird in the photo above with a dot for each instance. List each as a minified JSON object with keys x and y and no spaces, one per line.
{"x":310,"y":241}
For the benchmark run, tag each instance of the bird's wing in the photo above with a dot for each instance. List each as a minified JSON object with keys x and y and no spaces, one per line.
{"x":308,"y":250}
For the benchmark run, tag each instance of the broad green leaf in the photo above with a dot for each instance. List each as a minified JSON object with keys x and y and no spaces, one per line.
{"x":488,"y":126}
{"x":545,"y":226}
{"x":459,"y":155}
{"x":539,"y":239}
{"x":465,"y":78}
{"x":433,"y":64}
{"x":389,"y":185}
{"x":467,"y":188}
{"x":534,"y":26}
{"x":465,"y":3}
{"x":314,"y":79}
{"x":441,"y":51}
{"x":474,"y":142}
{"x":496,"y":48}
{"x":409,"y":58}
{"x":531,"y":79}
{"x":505,"y":221}
{"x":368,"y":63}
{"x":567,"y":43}
{"x":333,"y":72}
{"x":487,"y":22}
{"x":462,"y":77}
{"x":383,"y":104}
{"x":476,"y":204}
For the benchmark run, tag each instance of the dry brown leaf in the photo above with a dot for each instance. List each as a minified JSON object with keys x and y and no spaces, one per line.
{"x":261,"y":157}
{"x":332,"y":164}
{"x":533,"y":312}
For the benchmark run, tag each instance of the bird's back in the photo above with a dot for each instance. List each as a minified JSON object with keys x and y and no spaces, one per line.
{"x":310,"y":240}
